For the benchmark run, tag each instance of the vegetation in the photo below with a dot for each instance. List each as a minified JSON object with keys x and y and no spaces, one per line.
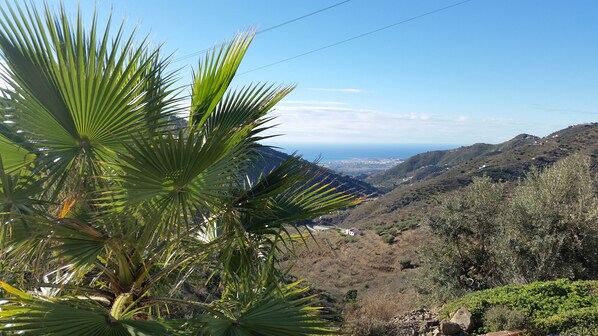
{"x":503,"y":318}
{"x":542,"y":307}
{"x":545,"y":230}
{"x":467,"y":227}
{"x":111,"y":205}
{"x":390,"y":231}
{"x":532,"y":206}
{"x":509,"y":219}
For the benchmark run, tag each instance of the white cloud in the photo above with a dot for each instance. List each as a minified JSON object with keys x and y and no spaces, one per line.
{"x":342,"y":90}
{"x":345,"y":124}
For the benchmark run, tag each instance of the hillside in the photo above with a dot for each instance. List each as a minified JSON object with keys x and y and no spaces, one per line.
{"x":424,"y":165}
{"x":337,"y":263}
{"x":272,"y":158}
{"x":415,"y":186}
{"x":370,"y":264}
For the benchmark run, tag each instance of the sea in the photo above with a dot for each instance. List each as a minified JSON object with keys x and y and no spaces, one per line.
{"x":344,"y":152}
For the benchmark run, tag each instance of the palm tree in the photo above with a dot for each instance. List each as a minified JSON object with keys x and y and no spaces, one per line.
{"x":113,"y":205}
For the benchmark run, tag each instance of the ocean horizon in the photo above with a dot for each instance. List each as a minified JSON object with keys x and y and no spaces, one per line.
{"x":341,"y":152}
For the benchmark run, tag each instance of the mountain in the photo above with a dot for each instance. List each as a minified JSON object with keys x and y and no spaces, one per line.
{"x":415,"y":182}
{"x":392,"y":223}
{"x":272,"y":158}
{"x":434,"y":163}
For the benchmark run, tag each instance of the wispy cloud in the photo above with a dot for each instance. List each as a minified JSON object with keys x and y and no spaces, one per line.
{"x":330,"y":123}
{"x":341,"y":90}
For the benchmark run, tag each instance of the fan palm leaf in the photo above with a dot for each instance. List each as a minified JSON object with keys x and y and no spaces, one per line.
{"x":110,"y":204}
{"x":36,"y":316}
{"x":13,"y":156}
{"x":78,"y":93}
{"x":270,"y":311}
{"x":214,"y":76}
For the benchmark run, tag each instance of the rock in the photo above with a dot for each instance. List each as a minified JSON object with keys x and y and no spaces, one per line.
{"x":450,"y":328}
{"x":417,"y":322}
{"x":463,"y":318}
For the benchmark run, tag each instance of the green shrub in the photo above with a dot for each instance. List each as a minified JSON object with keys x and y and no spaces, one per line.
{"x":582,"y":321}
{"x":544,"y":229}
{"x":503,"y":318}
{"x":351,"y":296}
{"x":549,"y":306}
{"x":348,"y":239}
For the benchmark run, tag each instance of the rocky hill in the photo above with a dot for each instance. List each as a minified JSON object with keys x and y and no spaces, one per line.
{"x":434,"y":163}
{"x":378,"y":263}
{"x":416,"y":181}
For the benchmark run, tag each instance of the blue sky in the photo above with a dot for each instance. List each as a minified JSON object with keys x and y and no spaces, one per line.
{"x":483,"y":71}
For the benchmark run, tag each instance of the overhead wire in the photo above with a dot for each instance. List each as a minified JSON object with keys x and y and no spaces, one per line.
{"x":358,"y":36}
{"x":261,"y":31}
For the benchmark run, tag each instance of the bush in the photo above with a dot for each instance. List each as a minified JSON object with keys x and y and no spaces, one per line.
{"x":503,"y":318}
{"x":546,"y":230}
{"x":389,"y":239}
{"x":464,"y":255}
{"x":351,"y":296}
{"x":552,"y":223}
{"x":582,"y":321}
{"x":548,"y":307}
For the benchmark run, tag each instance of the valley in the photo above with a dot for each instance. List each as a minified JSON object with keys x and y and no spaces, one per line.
{"x":383,"y":263}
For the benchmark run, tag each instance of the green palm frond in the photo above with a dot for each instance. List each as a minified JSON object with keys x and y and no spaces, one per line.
{"x":291,"y":192}
{"x":111,"y":207}
{"x":268,"y":312}
{"x":180,"y":176}
{"x":21,"y":312}
{"x":17,"y":198}
{"x":254,"y":223}
{"x":161,"y":102}
{"x":77,"y":92}
{"x":214,"y":75}
{"x":79,"y":243}
{"x":18,"y":191}
{"x":13,"y":155}
{"x":244,"y":107}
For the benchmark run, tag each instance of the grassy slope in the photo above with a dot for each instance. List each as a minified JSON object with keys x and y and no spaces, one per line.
{"x":432,"y":163}
{"x":338,"y":263}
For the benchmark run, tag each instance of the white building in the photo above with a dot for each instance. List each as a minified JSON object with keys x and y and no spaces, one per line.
{"x":352,"y":231}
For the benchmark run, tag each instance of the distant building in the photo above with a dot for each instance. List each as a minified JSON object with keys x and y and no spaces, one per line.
{"x":352,"y":231}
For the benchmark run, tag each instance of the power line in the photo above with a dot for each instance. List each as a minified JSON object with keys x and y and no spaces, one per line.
{"x":358,"y":36}
{"x":301,"y":17}
{"x":269,"y":28}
